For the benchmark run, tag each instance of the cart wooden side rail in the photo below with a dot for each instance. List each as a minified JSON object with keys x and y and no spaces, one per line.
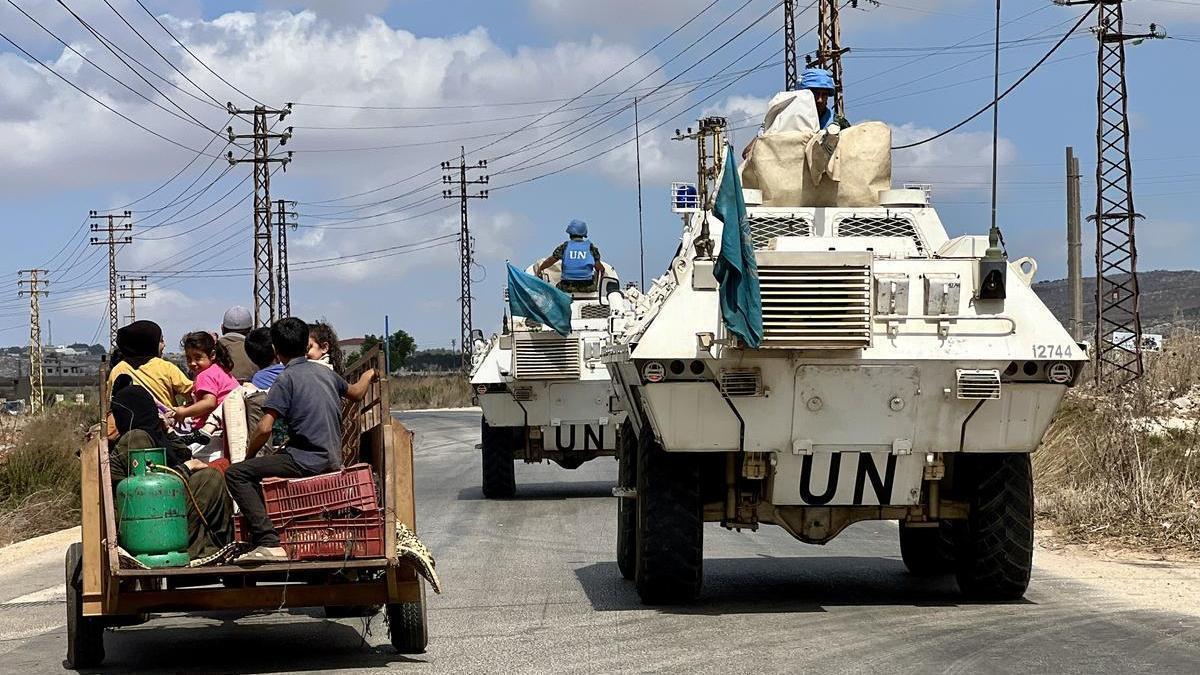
{"x":109,"y":595}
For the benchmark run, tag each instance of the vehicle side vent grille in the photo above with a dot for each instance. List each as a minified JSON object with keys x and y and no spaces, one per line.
{"x":593,"y":312}
{"x":816,"y":306}
{"x":522,"y":393}
{"x":891,"y":226}
{"x":978,"y":384}
{"x":765,"y":228}
{"x":545,"y":356}
{"x":741,"y":382}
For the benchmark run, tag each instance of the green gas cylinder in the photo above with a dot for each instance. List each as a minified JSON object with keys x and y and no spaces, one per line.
{"x":152,"y":512}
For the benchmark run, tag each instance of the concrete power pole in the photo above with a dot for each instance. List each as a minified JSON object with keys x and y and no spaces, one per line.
{"x":1118,"y":332}
{"x":456,"y":174}
{"x":264,"y":269}
{"x":112,"y":228}
{"x":1074,"y":247}
{"x":133,"y":289}
{"x":32,"y":286}
{"x":282,"y":277}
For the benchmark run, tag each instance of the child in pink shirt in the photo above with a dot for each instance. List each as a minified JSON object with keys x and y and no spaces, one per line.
{"x":211,"y":365}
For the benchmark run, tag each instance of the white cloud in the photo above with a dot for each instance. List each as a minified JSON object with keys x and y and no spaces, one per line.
{"x":623,"y":15}
{"x":955,"y":162}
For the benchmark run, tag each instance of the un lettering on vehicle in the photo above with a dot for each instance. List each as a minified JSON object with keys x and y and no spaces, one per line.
{"x":847,"y":478}
{"x":579,"y":437}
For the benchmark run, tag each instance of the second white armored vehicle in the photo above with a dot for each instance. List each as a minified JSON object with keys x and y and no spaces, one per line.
{"x":544,"y":396}
{"x":903,"y":374}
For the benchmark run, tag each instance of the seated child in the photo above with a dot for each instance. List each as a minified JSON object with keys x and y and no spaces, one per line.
{"x":323,"y":346}
{"x":211,"y":365}
{"x":262,"y":354}
{"x":307,"y":396}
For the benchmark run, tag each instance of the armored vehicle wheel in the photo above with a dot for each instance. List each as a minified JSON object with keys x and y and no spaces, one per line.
{"x":85,"y":635}
{"x":928,"y":551}
{"x":995,"y":543}
{"x":670,"y":525}
{"x":407,"y":626}
{"x":499,"y":472}
{"x":627,"y":508}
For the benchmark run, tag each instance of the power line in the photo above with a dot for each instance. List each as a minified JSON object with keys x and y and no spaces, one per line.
{"x":193,"y":55}
{"x":1011,"y":87}
{"x":162,"y":56}
{"x":104,"y":105}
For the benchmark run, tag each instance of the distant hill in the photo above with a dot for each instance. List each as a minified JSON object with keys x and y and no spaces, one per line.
{"x":1167,"y":298}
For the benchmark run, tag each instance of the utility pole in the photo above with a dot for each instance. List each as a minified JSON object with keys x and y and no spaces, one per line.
{"x":283,"y":282}
{"x":637,"y":150}
{"x":32,"y":286}
{"x":456,"y":174}
{"x":133,"y":289}
{"x":112,"y":228}
{"x":791,"y":76}
{"x":1074,"y":247}
{"x":264,"y":269}
{"x":1118,"y":363}
{"x":710,"y":149}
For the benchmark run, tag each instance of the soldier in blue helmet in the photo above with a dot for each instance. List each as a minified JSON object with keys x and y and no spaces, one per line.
{"x":820,"y":82}
{"x":580,"y":261}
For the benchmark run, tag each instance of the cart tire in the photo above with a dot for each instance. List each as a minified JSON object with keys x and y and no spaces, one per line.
{"x":407,"y":626}
{"x":85,"y":635}
{"x":499,"y":469}
{"x":670,"y":525}
{"x":928,"y":551}
{"x":627,"y":508}
{"x":994,"y":545}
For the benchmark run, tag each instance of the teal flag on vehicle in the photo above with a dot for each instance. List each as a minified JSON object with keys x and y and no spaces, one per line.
{"x":532,"y":298}
{"x":735,"y":269}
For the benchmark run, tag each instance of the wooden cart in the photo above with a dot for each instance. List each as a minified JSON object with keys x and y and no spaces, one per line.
{"x":101,"y":594}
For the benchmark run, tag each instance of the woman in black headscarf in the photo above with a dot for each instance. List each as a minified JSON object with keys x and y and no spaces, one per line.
{"x":141,"y":344}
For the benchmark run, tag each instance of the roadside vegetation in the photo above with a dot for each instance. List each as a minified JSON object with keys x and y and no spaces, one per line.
{"x":415,"y":392}
{"x":1125,"y":471}
{"x":39,"y":474}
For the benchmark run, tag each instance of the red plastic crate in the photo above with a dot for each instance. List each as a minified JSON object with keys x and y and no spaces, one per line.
{"x":327,"y":494}
{"x":336,"y":538}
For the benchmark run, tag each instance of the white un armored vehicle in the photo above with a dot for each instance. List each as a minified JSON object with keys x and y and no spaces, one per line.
{"x":544,"y":396}
{"x":903,"y":375}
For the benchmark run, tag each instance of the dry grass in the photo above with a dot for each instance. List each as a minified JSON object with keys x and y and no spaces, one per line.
{"x":414,"y":392}
{"x":39,"y":476}
{"x":1126,"y":470}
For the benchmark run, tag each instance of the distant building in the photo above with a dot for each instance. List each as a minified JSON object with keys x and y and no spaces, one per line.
{"x":352,"y":343}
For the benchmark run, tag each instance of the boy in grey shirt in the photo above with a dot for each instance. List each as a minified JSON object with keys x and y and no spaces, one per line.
{"x":307,"y":396}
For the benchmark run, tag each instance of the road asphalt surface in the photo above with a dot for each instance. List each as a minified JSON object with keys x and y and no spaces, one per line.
{"x":531,"y":585}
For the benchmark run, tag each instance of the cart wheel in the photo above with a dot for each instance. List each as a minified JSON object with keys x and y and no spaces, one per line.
{"x":407,"y":627}
{"x":85,"y":635}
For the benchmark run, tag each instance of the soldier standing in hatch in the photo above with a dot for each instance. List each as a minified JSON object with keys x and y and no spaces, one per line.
{"x":580,"y":261}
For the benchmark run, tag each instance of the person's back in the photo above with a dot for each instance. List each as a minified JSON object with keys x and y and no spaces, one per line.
{"x":580,"y":261}
{"x":308,"y":397}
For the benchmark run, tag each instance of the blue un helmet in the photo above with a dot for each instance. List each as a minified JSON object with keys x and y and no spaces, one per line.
{"x":817,"y":78}
{"x":577,"y":228}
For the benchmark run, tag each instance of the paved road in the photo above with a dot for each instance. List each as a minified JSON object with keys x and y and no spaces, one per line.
{"x":532,"y":586}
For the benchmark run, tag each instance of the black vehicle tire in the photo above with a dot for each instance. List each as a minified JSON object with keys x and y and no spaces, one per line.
{"x":407,"y":627}
{"x":928,"y":551}
{"x":994,"y":545}
{"x":627,"y":508}
{"x":85,"y":635}
{"x":499,"y":471}
{"x":670,"y":525}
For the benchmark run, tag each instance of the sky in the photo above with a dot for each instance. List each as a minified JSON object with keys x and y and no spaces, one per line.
{"x":384,"y":91}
